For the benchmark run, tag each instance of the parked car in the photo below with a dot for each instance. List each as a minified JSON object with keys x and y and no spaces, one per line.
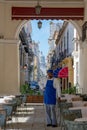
{"x":34,"y":85}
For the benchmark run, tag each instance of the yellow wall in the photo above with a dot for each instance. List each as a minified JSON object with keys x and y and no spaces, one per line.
{"x":70,"y":71}
{"x":68,"y":63}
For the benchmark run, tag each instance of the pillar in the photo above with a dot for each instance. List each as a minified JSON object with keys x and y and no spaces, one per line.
{"x":83,"y":69}
{"x":83,"y":59}
{"x":85,"y":10}
{"x":9,"y":67}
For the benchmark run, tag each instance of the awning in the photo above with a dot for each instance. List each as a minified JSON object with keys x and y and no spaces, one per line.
{"x":22,"y":13}
{"x":63,"y":73}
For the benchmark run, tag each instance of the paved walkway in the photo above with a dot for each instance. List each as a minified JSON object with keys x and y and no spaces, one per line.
{"x":31,"y":117}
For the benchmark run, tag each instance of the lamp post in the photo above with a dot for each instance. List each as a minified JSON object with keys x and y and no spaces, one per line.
{"x":25,"y":66}
{"x":38,"y":11}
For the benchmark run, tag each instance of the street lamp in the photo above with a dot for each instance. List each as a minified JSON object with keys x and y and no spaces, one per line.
{"x":39,"y":24}
{"x":38,"y":11}
{"x":25,"y":66}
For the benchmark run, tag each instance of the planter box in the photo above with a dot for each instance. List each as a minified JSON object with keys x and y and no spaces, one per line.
{"x":34,"y":99}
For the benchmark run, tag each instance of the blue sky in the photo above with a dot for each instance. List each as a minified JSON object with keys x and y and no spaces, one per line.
{"x":41,"y":35}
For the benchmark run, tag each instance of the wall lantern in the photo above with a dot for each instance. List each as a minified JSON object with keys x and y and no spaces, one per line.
{"x":39,"y":24}
{"x":25,"y":66}
{"x":37,"y":8}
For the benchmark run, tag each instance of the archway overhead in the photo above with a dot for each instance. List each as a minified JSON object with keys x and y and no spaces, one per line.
{"x":22,"y":13}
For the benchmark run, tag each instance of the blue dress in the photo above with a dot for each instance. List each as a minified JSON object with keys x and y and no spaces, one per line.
{"x":50,"y":93}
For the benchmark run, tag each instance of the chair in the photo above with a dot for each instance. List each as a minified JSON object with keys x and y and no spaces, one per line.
{"x":2,"y":121}
{"x":17,"y":101}
{"x":72,"y":125}
{"x":76,"y":99}
{"x":9,"y":110}
{"x":24,"y":98}
{"x":2,"y":118}
{"x":68,"y":119}
{"x":64,"y":106}
{"x":71,"y":114}
{"x":23,"y":105}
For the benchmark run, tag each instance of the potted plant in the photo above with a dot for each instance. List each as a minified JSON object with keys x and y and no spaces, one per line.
{"x":34,"y":97}
{"x":71,"y":90}
{"x":24,"y":89}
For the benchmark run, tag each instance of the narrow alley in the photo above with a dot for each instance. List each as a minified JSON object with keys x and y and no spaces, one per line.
{"x":30,"y":117}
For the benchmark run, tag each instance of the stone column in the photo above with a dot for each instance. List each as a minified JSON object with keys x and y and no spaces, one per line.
{"x":83,"y":58}
{"x":85,"y":10}
{"x":83,"y":68}
{"x":9,"y":67}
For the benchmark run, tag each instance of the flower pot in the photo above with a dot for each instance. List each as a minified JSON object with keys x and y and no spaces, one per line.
{"x":34,"y":99}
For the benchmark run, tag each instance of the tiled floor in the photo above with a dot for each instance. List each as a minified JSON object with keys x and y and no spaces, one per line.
{"x":31,"y":117}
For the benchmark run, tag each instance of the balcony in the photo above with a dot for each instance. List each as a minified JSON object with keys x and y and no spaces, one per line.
{"x":26,"y":49}
{"x":63,"y":55}
{"x":30,"y":68}
{"x":23,"y":37}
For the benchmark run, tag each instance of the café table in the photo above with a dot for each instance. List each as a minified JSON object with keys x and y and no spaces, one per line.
{"x":83,"y":119}
{"x":82,"y":108}
{"x":79,"y":103}
{"x":70,"y":97}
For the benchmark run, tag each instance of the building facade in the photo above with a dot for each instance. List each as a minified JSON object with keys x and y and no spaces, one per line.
{"x":54,"y":29}
{"x":26,"y":53}
{"x":76,"y":61}
{"x":36,"y":61}
{"x":42,"y":64}
{"x":65,"y":50}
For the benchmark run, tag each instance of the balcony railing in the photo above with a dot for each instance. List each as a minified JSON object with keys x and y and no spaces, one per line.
{"x":62,"y":55}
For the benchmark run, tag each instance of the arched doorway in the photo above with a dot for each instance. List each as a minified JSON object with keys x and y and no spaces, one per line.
{"x":67,"y":60}
{"x":14,"y":19}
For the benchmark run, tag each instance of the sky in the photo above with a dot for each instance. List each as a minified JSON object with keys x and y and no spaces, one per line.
{"x":41,"y":35}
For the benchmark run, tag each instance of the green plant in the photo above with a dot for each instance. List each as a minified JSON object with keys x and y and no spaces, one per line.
{"x":71,"y":90}
{"x":38,"y":93}
{"x":24,"y":88}
{"x":31,"y":92}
